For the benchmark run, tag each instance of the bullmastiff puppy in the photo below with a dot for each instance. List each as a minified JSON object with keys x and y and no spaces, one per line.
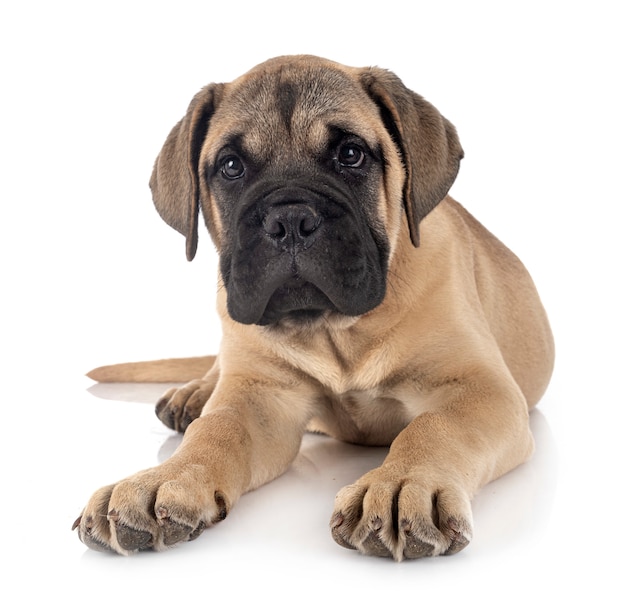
{"x":357,"y":299}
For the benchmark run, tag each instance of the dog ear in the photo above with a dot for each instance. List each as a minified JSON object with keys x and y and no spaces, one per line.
{"x":428,"y":143}
{"x":175,"y":177}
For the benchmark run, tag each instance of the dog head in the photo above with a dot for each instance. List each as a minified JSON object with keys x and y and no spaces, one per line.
{"x":305,"y":170}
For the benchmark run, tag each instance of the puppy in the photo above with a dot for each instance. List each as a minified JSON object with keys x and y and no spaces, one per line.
{"x":356,"y":298}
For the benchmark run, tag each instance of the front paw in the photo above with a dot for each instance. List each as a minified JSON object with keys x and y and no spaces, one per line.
{"x":401,"y":519}
{"x":150,"y":510}
{"x":178,"y":407}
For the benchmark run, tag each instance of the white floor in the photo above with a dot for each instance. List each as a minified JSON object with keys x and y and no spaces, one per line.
{"x":544,"y":530}
{"x":90,"y":275}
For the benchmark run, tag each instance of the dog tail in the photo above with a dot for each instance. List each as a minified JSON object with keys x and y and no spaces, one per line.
{"x":169,"y":370}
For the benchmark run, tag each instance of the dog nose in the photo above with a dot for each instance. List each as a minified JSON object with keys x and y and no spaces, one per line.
{"x":292,"y":224}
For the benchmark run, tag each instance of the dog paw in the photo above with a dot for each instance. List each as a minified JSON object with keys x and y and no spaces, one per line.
{"x":149,"y":511}
{"x":178,"y":407}
{"x":401,"y":519}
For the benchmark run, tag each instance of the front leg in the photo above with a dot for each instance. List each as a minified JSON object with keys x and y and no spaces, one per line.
{"x":245,"y":437}
{"x":418,"y":502}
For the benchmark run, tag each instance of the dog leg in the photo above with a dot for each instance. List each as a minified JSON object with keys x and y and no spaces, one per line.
{"x":418,"y":502}
{"x":244,"y":438}
{"x":178,"y":407}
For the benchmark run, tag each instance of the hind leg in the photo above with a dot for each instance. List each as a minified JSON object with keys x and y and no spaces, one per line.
{"x":178,"y":407}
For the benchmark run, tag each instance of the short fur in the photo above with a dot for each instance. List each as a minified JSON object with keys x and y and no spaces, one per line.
{"x":357,"y":299}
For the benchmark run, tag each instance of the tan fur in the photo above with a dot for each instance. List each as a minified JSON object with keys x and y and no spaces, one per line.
{"x":444,"y":370}
{"x":167,"y":370}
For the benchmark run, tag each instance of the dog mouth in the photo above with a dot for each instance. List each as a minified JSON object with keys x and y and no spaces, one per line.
{"x":301,"y":288}
{"x":298,"y":301}
{"x":299,"y":254}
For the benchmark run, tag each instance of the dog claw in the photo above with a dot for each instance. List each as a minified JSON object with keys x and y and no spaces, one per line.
{"x":415,"y":548}
{"x":459,"y":539}
{"x":197,"y":531}
{"x":174,"y":532}
{"x":374,"y":546}
{"x":85,"y":536}
{"x":335,"y":529}
{"x":128,"y":537}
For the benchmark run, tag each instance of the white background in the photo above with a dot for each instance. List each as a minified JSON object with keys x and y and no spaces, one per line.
{"x":91,"y":275}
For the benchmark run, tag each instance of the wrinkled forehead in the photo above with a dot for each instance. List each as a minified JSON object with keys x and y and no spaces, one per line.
{"x":267,"y":108}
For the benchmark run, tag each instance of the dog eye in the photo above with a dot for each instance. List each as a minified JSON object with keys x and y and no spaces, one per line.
{"x":232,"y":168}
{"x":350,"y":155}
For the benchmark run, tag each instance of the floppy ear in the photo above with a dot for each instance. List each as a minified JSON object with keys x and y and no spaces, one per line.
{"x":175,"y":179}
{"x":428,"y":143}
